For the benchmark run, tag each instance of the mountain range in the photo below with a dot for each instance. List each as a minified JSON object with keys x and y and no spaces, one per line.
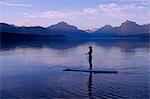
{"x":64,"y":30}
{"x":128,"y":28}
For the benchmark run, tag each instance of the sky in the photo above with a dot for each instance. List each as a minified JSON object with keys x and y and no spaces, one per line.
{"x":85,"y":14}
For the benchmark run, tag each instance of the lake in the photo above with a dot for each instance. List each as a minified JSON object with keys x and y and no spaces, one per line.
{"x":32,"y":70}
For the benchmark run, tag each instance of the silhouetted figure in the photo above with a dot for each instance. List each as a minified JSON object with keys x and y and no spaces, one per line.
{"x":90,"y":85}
{"x":90,"y":75}
{"x":90,"y":56}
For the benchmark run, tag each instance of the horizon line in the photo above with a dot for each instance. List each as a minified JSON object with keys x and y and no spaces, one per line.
{"x":70,"y":24}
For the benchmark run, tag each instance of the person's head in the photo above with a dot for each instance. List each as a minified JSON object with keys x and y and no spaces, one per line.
{"x":90,"y":47}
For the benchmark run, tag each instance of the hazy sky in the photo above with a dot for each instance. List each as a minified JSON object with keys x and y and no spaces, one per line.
{"x":85,"y":14}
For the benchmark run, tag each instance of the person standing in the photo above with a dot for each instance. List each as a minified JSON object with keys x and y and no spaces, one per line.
{"x":90,"y":57}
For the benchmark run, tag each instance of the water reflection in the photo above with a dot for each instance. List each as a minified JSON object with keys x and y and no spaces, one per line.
{"x":90,"y":85}
{"x":34,"y":69}
{"x":124,"y":45}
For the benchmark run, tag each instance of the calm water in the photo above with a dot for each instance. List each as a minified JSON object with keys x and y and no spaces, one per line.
{"x":34,"y":70}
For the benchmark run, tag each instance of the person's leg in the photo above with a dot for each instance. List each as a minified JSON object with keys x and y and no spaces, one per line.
{"x":90,"y":62}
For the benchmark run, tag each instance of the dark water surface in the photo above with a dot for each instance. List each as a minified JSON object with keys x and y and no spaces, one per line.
{"x":33,"y":70}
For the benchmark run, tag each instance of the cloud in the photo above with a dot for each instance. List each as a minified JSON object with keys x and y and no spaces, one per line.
{"x":114,"y":10}
{"x":52,"y":14}
{"x":107,"y":10}
{"x":14,"y":4}
{"x":111,"y":13}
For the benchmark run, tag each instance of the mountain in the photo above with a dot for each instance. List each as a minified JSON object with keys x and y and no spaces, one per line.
{"x":6,"y":28}
{"x":126,"y":29}
{"x":66,"y":29}
{"x":60,"y":28}
{"x":63,"y":29}
{"x":14,"y":33}
{"x":130,"y":28}
{"x":105,"y":30}
{"x":9,"y":28}
{"x":35,"y":30}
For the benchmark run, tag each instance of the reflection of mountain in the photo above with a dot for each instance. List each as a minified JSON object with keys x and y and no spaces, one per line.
{"x":124,"y":45}
{"x":59,"y":44}
{"x":127,"y":29}
{"x":51,"y":43}
{"x":24,"y":37}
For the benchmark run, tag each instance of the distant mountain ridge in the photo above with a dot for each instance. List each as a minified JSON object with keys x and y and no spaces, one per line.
{"x":61,"y":28}
{"x":126,"y":29}
{"x":64,"y":28}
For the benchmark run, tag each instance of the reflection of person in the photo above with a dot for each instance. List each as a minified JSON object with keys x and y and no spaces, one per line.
{"x":90,"y":56}
{"x":90,"y":85}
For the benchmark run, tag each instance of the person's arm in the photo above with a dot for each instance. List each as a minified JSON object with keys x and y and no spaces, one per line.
{"x":89,"y":52}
